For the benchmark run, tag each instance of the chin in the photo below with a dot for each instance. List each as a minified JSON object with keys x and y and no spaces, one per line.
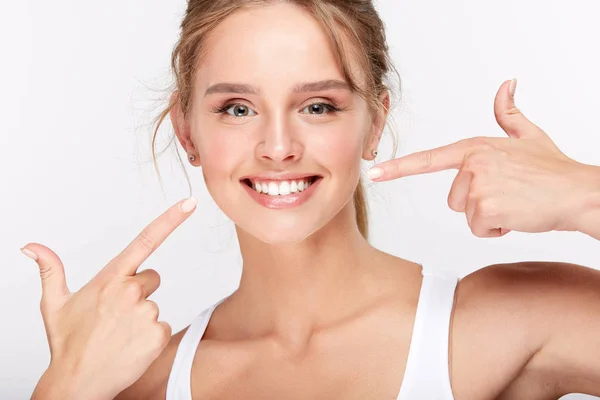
{"x":281,"y":232}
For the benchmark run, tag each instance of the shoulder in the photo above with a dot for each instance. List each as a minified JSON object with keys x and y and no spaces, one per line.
{"x":527,"y":289}
{"x":511,"y":314}
{"x":153,"y":383}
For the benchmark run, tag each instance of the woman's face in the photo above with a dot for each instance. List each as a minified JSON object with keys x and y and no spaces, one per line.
{"x":271,"y":107}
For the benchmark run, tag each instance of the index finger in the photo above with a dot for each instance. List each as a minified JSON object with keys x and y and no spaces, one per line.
{"x":442,"y":158}
{"x":151,"y":237}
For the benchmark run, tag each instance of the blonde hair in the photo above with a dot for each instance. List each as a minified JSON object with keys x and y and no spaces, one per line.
{"x":344,"y":21}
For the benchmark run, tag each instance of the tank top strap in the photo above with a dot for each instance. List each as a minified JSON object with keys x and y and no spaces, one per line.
{"x":427,"y":373}
{"x":179,"y":385}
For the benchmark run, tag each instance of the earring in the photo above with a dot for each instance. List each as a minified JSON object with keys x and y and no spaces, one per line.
{"x":375,"y":153}
{"x":192,"y":158}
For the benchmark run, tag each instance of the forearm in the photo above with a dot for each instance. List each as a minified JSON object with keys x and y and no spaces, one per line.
{"x":588,"y":221}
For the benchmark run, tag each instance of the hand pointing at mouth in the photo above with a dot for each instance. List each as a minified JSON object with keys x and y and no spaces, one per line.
{"x":522,"y":182}
{"x":103,"y":337}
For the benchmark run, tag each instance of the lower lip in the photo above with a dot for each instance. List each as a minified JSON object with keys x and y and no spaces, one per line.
{"x":281,"y":202}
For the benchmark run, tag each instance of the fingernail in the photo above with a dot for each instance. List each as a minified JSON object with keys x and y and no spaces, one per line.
{"x":189,"y":204}
{"x":512,"y":87}
{"x":29,"y":254}
{"x":375,"y":172}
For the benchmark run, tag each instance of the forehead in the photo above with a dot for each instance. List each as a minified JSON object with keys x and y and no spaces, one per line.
{"x":267,"y":45}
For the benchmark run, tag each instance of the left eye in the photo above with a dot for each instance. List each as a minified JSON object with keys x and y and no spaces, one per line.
{"x":318,"y":108}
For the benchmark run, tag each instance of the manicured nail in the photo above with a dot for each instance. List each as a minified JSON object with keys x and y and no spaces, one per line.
{"x":189,"y":204}
{"x":29,"y":254}
{"x":512,"y":87}
{"x":375,"y":172}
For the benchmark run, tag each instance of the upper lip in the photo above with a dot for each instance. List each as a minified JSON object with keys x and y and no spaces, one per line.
{"x":278,"y":176}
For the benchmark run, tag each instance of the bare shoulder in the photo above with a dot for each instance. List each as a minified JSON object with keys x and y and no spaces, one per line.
{"x":508,"y":314}
{"x":518,"y":286}
{"x":153,"y":383}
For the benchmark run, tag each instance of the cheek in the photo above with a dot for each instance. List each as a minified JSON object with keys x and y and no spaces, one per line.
{"x":219,"y":155}
{"x":219,"y":160}
{"x":342,"y":146}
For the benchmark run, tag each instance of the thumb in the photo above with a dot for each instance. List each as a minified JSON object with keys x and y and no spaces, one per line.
{"x":509,"y":117}
{"x":52,"y":272}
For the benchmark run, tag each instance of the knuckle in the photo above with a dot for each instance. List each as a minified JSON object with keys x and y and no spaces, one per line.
{"x":133,"y":291}
{"x":163,"y":334}
{"x":483,"y":143}
{"x":473,"y":201}
{"x":45,"y":309}
{"x":476,"y":226}
{"x":502,"y":152}
{"x":150,"y":308}
{"x":105,"y":292}
{"x":473,"y":198}
{"x":478,"y":232}
{"x":513,"y":111}
{"x":147,"y":241}
{"x":469,"y":163}
{"x":487,"y":146}
{"x":476,"y":162}
{"x":46,"y":272}
{"x":487,"y":208}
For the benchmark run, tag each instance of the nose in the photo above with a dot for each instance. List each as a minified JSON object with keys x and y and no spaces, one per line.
{"x":278,"y":143}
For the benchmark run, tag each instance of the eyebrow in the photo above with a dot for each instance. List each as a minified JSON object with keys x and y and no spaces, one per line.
{"x":240,"y":88}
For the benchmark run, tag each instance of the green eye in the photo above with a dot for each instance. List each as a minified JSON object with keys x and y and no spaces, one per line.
{"x":238,"y":110}
{"x":318,"y":108}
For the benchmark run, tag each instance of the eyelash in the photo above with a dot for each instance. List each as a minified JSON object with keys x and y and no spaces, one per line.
{"x":334,"y":108}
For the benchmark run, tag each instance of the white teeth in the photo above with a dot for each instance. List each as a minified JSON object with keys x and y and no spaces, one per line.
{"x":284,"y":188}
{"x":281,"y":188}
{"x":273,"y":189}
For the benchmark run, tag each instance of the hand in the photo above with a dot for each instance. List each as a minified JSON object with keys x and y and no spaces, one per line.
{"x":103,"y":337}
{"x":522,"y":182}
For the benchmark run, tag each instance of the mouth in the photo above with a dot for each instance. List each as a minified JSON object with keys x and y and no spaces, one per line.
{"x":281,"y":194}
{"x":283,"y":187}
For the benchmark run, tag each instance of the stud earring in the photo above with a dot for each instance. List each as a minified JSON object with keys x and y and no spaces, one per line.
{"x":375,"y":152}
{"x":192,"y":158}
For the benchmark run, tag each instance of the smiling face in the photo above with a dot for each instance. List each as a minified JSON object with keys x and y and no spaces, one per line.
{"x":272,"y":111}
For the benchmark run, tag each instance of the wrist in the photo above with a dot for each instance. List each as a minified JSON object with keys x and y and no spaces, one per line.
{"x":588,"y":220}
{"x":54,"y":385}
{"x":62,"y":383}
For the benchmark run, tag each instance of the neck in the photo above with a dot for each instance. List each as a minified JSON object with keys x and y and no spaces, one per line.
{"x":291,"y":290}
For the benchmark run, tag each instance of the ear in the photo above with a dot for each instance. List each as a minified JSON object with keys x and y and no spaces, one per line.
{"x":182,"y":128}
{"x":377,"y":126}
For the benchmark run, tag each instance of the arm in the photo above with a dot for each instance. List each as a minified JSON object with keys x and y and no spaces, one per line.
{"x":563,"y":301}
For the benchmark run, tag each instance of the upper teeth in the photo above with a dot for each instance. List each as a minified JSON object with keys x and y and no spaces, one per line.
{"x":276,"y":188}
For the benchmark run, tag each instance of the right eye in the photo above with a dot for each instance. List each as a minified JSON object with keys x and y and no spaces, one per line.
{"x":238,"y":110}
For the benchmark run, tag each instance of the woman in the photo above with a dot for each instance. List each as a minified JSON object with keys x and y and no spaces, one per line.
{"x":279,"y":102}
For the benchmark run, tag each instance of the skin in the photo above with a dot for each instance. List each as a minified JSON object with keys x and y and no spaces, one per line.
{"x":319,"y":312}
{"x":316,"y":302}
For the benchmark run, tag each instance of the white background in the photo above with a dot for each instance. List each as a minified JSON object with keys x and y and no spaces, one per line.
{"x":80,"y":82}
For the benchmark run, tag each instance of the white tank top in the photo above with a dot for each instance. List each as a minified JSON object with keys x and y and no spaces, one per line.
{"x":427,"y":370}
